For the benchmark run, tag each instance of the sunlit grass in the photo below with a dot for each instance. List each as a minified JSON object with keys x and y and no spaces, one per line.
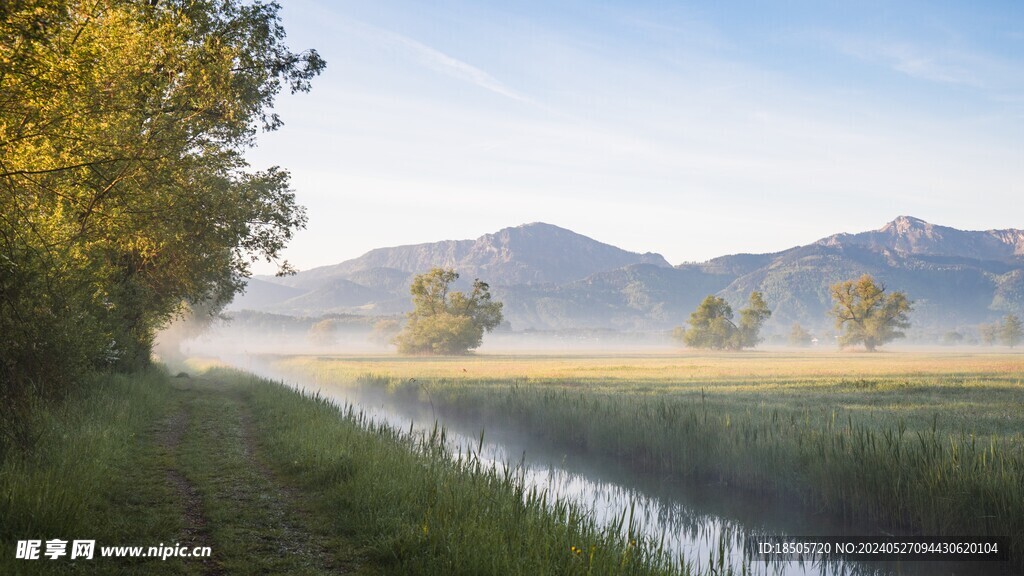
{"x":983,"y":392}
{"x":678,"y":369}
{"x":75,"y":481}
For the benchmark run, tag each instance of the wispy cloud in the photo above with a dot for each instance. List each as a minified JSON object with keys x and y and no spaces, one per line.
{"x":927,"y":67}
{"x":994,"y":79}
{"x":934,"y":65}
{"x":443,"y":63}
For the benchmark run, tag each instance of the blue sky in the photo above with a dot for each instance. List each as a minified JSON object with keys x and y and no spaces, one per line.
{"x":689,"y":129}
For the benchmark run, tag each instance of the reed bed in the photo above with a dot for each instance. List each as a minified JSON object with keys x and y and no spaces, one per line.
{"x":422,"y":510}
{"x":936,"y":451}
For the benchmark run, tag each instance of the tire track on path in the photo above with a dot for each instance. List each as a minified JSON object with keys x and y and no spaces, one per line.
{"x":196,"y":526}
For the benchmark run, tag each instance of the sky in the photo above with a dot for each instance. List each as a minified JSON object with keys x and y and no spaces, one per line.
{"x":688,"y":129}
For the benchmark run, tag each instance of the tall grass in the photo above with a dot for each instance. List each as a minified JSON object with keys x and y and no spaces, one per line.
{"x":97,"y":472}
{"x":87,"y":474}
{"x":422,"y":511}
{"x":909,"y":471}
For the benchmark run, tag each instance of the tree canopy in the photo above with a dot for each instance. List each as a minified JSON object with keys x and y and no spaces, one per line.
{"x":124,"y":192}
{"x":447,"y":322}
{"x":866,"y":315}
{"x":712,"y":326}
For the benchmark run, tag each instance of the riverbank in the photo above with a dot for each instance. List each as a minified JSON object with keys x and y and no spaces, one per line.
{"x":929,"y":444}
{"x":271,"y":481}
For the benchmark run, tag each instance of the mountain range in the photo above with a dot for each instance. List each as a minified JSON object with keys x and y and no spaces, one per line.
{"x":551,"y":278}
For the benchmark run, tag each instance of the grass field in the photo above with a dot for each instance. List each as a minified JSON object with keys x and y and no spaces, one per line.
{"x":921,"y":443}
{"x":275,"y":482}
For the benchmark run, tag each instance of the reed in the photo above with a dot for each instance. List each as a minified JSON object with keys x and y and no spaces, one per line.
{"x":937,"y":451}
{"x":422,"y":510}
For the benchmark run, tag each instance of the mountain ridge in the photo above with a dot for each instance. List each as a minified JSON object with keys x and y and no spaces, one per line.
{"x":513,"y":255}
{"x":553,"y":278}
{"x":915,"y":236}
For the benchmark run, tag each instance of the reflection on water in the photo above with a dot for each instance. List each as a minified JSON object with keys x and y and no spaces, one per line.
{"x":701,"y":523}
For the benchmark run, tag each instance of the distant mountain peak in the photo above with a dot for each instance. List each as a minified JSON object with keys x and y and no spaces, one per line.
{"x":909,"y":232}
{"x":539,"y":225}
{"x":538,"y":253}
{"x":534,"y":229}
{"x":910,"y":235}
{"x":532,"y":253}
{"x":904,"y":224}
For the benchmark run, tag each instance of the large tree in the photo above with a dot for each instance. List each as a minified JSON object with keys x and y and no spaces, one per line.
{"x":752,"y":318}
{"x":712,"y":326}
{"x":444,"y":321}
{"x":866,"y":315}
{"x":124,"y":192}
{"x":1011,"y":331}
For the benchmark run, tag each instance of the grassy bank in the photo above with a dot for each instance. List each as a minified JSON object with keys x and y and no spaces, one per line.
{"x":927,"y":444}
{"x":274,"y":482}
{"x":147,"y":460}
{"x":93,"y":471}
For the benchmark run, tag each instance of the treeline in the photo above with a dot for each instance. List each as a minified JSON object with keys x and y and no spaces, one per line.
{"x":124,"y":194}
{"x":863,"y":313}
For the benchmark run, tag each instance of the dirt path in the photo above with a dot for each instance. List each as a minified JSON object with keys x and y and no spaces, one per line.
{"x":195,"y":532}
{"x":287,"y":503}
{"x":231,"y":499}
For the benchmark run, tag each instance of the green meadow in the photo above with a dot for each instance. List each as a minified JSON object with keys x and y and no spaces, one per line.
{"x":277,"y":482}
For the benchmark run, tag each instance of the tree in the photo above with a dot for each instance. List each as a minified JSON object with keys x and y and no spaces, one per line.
{"x":799,"y":336}
{"x":711,"y":324}
{"x":324,"y":332}
{"x":989,"y":333}
{"x":752,"y":318}
{"x":866,"y":315}
{"x":446,"y":322}
{"x":125,"y":196}
{"x":1011,"y":331}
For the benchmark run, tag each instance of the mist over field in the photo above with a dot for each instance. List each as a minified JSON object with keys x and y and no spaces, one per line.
{"x":227,"y":338}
